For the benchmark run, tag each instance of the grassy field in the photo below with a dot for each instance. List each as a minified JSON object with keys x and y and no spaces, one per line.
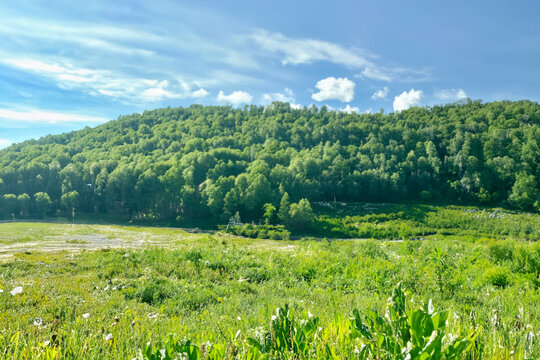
{"x":106,"y":292}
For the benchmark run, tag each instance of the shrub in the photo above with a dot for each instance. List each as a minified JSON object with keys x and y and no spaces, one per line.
{"x":501,"y":251}
{"x":497,"y":276}
{"x":156,"y":291}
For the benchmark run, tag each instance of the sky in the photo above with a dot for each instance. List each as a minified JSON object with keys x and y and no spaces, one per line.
{"x":65,"y":64}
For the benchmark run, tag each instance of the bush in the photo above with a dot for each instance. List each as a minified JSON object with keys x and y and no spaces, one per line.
{"x":274,"y":232}
{"x":501,"y":251}
{"x":156,"y":291}
{"x":497,"y":276}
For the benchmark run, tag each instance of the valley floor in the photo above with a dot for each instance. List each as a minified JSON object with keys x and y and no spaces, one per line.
{"x":105,"y":291}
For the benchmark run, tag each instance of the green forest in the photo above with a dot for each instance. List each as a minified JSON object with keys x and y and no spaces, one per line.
{"x":269,"y":163}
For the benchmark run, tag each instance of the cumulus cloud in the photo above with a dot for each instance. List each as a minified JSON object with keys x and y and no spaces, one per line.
{"x":332,"y":88}
{"x":200,"y":93}
{"x":235,"y":98}
{"x":349,"y":109}
{"x":4,"y":143}
{"x":286,"y":96}
{"x":380,"y":94}
{"x":451,"y":94}
{"x":407,"y":99}
{"x":40,"y":116}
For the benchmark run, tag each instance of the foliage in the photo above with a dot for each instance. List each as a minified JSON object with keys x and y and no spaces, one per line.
{"x":218,"y":291}
{"x":404,"y":333}
{"x":210,"y":162}
{"x":274,"y":232}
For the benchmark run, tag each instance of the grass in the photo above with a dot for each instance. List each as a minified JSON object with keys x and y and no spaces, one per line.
{"x":404,"y":221}
{"x":219,"y":291}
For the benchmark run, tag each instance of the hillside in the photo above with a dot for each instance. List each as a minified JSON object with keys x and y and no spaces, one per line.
{"x":211,"y":162}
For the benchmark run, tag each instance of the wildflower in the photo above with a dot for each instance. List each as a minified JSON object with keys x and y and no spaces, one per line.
{"x":16,"y":291}
{"x":86,"y":315}
{"x":239,"y":318}
{"x":1,"y":291}
{"x":108,"y":337}
{"x":38,"y":322}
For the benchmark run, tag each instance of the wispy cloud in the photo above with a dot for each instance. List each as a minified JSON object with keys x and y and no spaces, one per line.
{"x":106,"y":83}
{"x":307,"y":51}
{"x":50,"y":117}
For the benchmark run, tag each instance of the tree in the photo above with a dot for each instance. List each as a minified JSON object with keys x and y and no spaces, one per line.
{"x":43,"y":203}
{"x":525,"y":194}
{"x":269,"y":213}
{"x":70,"y":201}
{"x":9,"y":203}
{"x":301,"y":215}
{"x":23,"y":203}
{"x":284,"y":209}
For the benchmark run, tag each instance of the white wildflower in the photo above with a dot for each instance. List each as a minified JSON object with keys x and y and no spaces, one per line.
{"x":239,"y":318}
{"x":108,"y":337}
{"x":16,"y":291}
{"x":86,"y":315}
{"x":38,"y":322}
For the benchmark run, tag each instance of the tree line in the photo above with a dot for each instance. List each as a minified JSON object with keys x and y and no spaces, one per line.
{"x":204,"y":162}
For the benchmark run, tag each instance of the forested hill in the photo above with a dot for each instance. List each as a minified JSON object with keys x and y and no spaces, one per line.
{"x":199,"y":162}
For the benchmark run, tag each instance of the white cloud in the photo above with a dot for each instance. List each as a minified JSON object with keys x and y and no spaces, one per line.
{"x":159,"y":92}
{"x":106,"y":83}
{"x":380,"y":94}
{"x":200,"y":93}
{"x":332,"y":88}
{"x":40,"y":116}
{"x":407,"y":99}
{"x":307,"y":51}
{"x":4,"y":143}
{"x":349,"y":109}
{"x":235,"y":98}
{"x":286,"y":96}
{"x":451,"y":94}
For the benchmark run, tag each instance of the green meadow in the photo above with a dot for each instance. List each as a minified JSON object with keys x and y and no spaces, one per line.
{"x":72,"y":291}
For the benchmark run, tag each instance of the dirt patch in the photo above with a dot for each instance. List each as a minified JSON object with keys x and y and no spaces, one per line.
{"x":81,"y":242}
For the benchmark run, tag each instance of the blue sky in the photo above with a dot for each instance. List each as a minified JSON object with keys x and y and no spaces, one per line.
{"x":68,"y":64}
